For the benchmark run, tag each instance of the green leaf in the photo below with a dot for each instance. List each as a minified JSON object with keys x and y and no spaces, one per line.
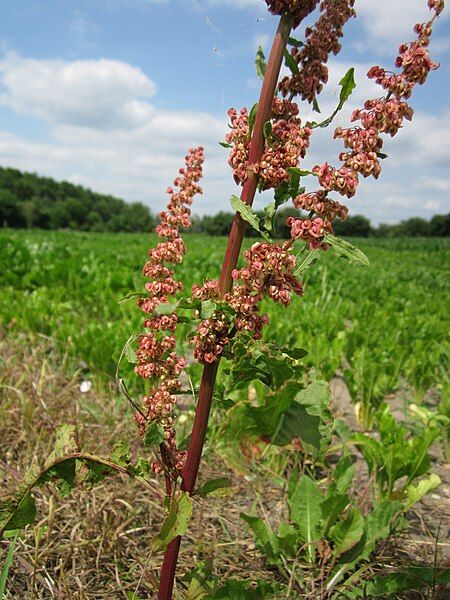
{"x":294,"y":183}
{"x":269,"y":212}
{"x":300,"y":172}
{"x":62,"y":475}
{"x":316,"y":106}
{"x":288,"y":539}
{"x":208,"y":309}
{"x":414,"y":493}
{"x":130,"y":297}
{"x":296,"y":43}
{"x":345,"y":534}
{"x":411,"y":578}
{"x":260,"y":63}
{"x":378,"y":525}
{"x":309,"y":260}
{"x":290,"y":62}
{"x":166,"y":308}
{"x":130,"y":354}
{"x":331,"y":508}
{"x":346,"y":250}
{"x":7,"y":564}
{"x":65,"y":443}
{"x":202,"y":583}
{"x":304,"y":507}
{"x":121,"y":453}
{"x":294,"y":353}
{"x":216,"y":488}
{"x":153,"y":434}
{"x":225,"y":145}
{"x":248,"y":215}
{"x":265,"y":538}
{"x":267,"y":130}
{"x":16,"y":515}
{"x":252,"y":117}
{"x":347,"y":84}
{"x":282,"y":194}
{"x":176,"y":522}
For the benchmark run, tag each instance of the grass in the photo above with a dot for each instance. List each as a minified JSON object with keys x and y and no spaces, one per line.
{"x":386,"y":325}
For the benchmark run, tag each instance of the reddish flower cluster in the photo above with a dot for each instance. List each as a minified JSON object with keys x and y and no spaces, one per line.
{"x":310,"y":230}
{"x":156,"y":356}
{"x":208,"y":291}
{"x":436,"y":5}
{"x":321,"y":41}
{"x":318,"y":203}
{"x":343,"y":180}
{"x":286,"y":144}
{"x":268,"y":271}
{"x":211,"y":337}
{"x":386,"y":115}
{"x":382,"y":115}
{"x":239,"y":138}
{"x":299,"y":8}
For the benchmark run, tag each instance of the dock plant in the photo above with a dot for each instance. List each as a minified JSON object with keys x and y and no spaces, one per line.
{"x":329,"y":535}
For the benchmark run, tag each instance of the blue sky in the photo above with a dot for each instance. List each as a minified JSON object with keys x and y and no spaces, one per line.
{"x":110,"y":94}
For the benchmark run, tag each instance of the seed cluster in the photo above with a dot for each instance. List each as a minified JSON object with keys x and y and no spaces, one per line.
{"x":157,"y":359}
{"x":285,"y":143}
{"x":321,"y":40}
{"x":363,"y":142}
{"x":298,"y":8}
{"x":268,"y":271}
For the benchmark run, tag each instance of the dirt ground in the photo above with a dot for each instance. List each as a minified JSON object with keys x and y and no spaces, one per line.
{"x":95,"y":543}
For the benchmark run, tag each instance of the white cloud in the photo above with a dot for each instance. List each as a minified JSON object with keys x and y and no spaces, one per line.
{"x":102,"y":94}
{"x":392,"y":21}
{"x":105,"y":133}
{"x":239,"y":3}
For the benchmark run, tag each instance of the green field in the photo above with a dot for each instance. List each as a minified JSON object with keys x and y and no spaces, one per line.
{"x":383,"y":327}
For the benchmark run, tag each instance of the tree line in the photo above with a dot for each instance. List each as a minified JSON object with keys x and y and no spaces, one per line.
{"x":354,"y":226}
{"x":30,"y":201}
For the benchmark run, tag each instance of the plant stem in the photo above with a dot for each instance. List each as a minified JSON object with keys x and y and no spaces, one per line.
{"x":256,"y":148}
{"x":232,"y":252}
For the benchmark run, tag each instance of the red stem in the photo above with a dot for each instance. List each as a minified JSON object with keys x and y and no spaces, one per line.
{"x":232,"y":252}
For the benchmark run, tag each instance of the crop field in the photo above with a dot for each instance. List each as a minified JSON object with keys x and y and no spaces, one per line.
{"x":384,"y":328}
{"x":67,"y":309}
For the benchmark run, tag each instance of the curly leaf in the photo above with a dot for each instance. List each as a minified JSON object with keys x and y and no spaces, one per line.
{"x":347,"y":84}
{"x":346,"y":250}
{"x":176,"y":522}
{"x":291,"y":63}
{"x":347,"y":533}
{"x":414,"y":493}
{"x":248,"y":215}
{"x":20,"y":510}
{"x":216,"y":488}
{"x":260,"y":63}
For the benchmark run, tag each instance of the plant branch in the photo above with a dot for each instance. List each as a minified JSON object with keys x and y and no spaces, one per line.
{"x":230,"y":261}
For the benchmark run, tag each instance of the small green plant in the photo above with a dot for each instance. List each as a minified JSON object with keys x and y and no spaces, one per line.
{"x":397,"y":458}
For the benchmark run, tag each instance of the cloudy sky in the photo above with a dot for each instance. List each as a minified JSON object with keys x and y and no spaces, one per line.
{"x":110,"y":94}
